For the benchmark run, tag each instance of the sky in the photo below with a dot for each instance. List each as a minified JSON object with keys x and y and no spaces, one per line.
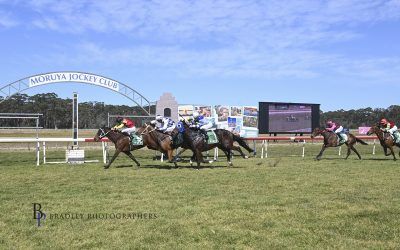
{"x":342,"y":54}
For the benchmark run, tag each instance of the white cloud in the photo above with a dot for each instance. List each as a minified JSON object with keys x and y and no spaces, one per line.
{"x":7,"y":21}
{"x":268,"y":39}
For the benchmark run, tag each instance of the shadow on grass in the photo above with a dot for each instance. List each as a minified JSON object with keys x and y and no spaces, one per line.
{"x":379,"y":159}
{"x":126,"y":166}
{"x":203,"y":166}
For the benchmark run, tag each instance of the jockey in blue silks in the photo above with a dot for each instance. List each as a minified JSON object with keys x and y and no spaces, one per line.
{"x":167,"y":125}
{"x":200,"y":122}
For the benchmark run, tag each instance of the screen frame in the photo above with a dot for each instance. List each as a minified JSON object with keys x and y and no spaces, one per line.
{"x":263,"y":115}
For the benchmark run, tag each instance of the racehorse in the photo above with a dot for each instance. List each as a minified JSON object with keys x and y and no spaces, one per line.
{"x":121,"y":142}
{"x":385,"y":139}
{"x":157,"y":140}
{"x":331,"y":140}
{"x":194,"y":140}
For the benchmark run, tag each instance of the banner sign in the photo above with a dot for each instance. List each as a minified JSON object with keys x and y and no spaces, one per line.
{"x":363,"y":130}
{"x":73,"y":77}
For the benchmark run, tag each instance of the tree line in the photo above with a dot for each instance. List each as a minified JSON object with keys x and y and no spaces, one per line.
{"x":364,"y":117}
{"x":57,"y":112}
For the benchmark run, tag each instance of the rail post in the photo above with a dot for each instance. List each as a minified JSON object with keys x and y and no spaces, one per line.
{"x":44,"y":152}
{"x":373,"y":149}
{"x":262,"y":149}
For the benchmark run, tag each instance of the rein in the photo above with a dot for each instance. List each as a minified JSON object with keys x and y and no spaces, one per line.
{"x":103,"y":134}
{"x":145,"y":132}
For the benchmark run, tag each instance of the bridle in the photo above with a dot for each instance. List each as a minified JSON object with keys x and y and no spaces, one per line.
{"x":103,"y":133}
{"x":145,"y":132}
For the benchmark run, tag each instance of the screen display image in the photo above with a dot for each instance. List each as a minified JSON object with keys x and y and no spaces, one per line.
{"x":286,"y":117}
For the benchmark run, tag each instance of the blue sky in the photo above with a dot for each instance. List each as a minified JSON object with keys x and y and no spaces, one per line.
{"x":341,"y":54}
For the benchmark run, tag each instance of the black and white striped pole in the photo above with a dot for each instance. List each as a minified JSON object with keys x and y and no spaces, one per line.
{"x":75,"y":120}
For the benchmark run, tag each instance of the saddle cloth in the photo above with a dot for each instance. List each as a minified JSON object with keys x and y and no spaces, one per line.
{"x":211,"y":137}
{"x":136,"y":140}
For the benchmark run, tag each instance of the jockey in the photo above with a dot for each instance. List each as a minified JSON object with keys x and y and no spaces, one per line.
{"x":167,"y":124}
{"x":389,"y":126}
{"x":200,"y":122}
{"x":128,"y":125}
{"x":335,"y":128}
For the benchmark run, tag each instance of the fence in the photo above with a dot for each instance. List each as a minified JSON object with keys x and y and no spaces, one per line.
{"x":265,"y":142}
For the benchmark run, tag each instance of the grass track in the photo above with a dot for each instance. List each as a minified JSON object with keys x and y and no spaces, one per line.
{"x":279,"y":202}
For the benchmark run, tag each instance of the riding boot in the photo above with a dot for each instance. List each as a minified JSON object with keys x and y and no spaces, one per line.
{"x":340,"y":138}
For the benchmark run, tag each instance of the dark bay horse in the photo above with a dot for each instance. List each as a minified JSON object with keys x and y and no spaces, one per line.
{"x":157,"y":140}
{"x":385,"y":139}
{"x":331,"y":140}
{"x":121,"y":142}
{"x":194,"y":140}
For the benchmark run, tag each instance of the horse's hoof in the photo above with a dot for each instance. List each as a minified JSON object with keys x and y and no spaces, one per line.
{"x":106,"y":167}
{"x":246,"y":157}
{"x":210,"y":162}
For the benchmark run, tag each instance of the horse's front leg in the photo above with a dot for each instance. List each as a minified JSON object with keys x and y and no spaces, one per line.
{"x":321,"y":152}
{"x":171,"y":158}
{"x":179,"y":154}
{"x":112,"y":159}
{"x":385,"y":150}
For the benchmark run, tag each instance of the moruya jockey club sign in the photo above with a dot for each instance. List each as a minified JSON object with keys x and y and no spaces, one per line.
{"x":73,"y":77}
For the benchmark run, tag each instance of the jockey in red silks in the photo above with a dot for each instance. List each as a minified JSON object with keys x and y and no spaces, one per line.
{"x":335,"y":128}
{"x":128,"y":125}
{"x":390,"y":127}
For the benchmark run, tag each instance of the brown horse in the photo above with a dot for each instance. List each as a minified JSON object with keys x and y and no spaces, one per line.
{"x":157,"y":140}
{"x":194,"y":140}
{"x":121,"y":142}
{"x":332,"y":140}
{"x":385,"y":139}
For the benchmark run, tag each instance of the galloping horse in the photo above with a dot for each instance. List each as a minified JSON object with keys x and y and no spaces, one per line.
{"x":331,"y":140}
{"x":121,"y":142}
{"x":194,"y":140}
{"x":385,"y":139}
{"x":157,"y":140}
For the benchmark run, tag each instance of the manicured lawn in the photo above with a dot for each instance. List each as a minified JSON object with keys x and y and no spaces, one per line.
{"x":280,"y":202}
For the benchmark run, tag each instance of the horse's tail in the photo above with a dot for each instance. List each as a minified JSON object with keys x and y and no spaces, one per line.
{"x":242,"y":143}
{"x":361,"y":141}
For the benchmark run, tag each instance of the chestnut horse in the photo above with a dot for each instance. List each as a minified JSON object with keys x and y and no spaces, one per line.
{"x":121,"y":142}
{"x":331,"y":140}
{"x":385,"y":139}
{"x":157,"y":140}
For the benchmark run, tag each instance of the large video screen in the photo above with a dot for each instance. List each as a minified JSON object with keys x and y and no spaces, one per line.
{"x":285,"y":118}
{"x":289,"y":118}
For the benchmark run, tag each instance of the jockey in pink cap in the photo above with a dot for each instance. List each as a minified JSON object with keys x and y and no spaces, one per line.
{"x":336,"y":128}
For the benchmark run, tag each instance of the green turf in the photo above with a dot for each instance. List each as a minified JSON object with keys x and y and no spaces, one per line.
{"x":279,"y":202}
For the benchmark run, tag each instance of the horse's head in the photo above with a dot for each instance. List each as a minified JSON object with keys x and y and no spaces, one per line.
{"x":373,"y":129}
{"x":316,"y":132}
{"x":146,"y":128}
{"x":101,"y":133}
